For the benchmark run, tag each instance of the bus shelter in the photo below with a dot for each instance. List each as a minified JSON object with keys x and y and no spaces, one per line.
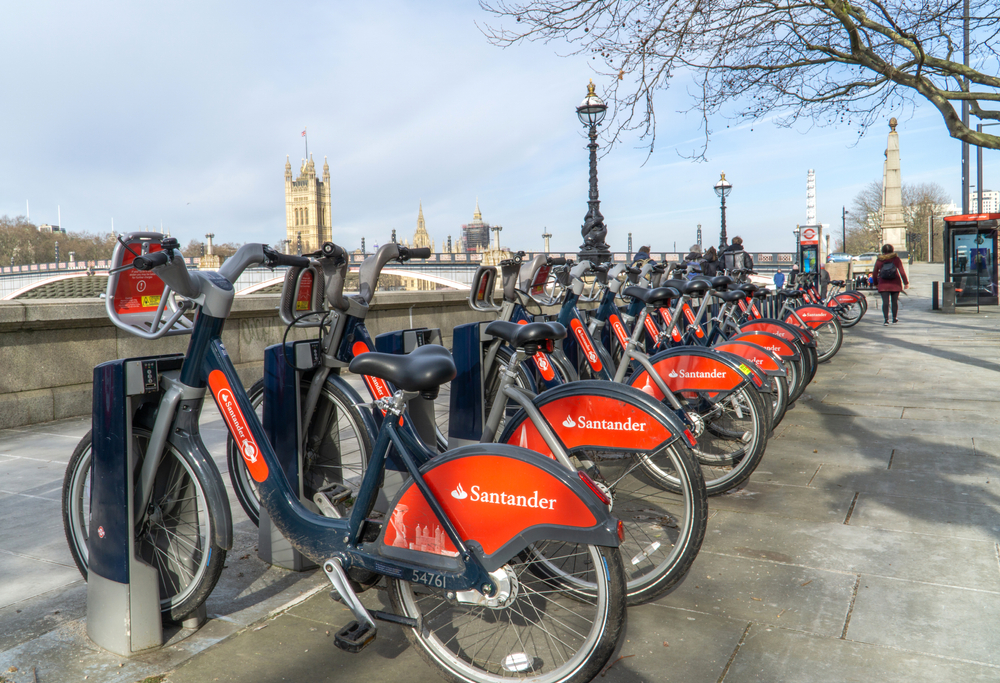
{"x":970,"y":257}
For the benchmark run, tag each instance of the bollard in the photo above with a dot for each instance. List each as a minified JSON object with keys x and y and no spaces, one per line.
{"x":948,"y":297}
{"x":935,"y":305}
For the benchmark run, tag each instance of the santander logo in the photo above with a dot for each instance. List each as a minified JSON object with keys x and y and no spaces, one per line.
{"x":696,"y":374}
{"x":588,"y":348}
{"x":237,"y":425}
{"x":478,"y":495}
{"x":582,"y":422}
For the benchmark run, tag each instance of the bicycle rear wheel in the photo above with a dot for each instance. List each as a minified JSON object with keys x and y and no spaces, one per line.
{"x":731,"y":434}
{"x":540,"y":629}
{"x":175,"y":534}
{"x":829,"y":337}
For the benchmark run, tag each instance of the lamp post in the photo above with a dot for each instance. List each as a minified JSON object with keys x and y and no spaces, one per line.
{"x":546,"y":236}
{"x":496,"y":229}
{"x":591,"y":112}
{"x":797,"y":231}
{"x":723,"y":188}
{"x":843,"y":217}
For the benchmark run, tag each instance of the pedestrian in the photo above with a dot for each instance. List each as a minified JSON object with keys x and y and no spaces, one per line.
{"x":824,"y":282}
{"x":779,"y":279}
{"x":641,"y":256}
{"x":692,"y":262}
{"x":734,"y":258}
{"x":710,"y":264}
{"x":890,"y":279}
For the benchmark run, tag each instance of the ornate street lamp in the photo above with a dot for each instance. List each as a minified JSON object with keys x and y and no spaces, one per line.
{"x":723,"y":188}
{"x":591,"y":112}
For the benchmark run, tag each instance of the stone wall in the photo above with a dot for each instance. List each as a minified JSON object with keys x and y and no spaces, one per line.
{"x":48,"y":349}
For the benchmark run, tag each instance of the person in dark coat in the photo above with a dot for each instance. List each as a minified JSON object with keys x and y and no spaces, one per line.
{"x":890,"y":279}
{"x":710,"y":264}
{"x":642,"y":255}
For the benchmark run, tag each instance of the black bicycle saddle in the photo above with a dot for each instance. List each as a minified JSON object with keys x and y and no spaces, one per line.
{"x":520,"y":336}
{"x":652,"y":297}
{"x":424,"y":369}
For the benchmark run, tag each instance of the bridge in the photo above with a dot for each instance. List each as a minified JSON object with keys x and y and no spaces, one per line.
{"x":86,"y":279}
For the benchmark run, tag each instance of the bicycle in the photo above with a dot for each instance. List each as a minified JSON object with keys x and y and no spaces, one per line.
{"x":656,"y":489}
{"x":536,"y":592}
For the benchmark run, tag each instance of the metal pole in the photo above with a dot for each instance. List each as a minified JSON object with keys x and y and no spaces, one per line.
{"x":843,"y":216}
{"x":965,"y":110}
{"x":979,"y":172}
{"x":722,"y":236}
{"x":930,"y":239}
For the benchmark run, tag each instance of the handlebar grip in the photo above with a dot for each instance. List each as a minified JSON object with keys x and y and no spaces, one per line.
{"x":557,"y":261}
{"x":331,"y":250}
{"x":419,"y":252}
{"x":150,"y":261}
{"x":276,"y":258}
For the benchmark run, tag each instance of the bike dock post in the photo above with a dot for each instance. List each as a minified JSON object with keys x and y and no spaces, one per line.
{"x":123,"y":591}
{"x":282,"y":407}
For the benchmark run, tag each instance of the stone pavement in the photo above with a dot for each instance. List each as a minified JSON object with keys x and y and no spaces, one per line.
{"x":864,"y":547}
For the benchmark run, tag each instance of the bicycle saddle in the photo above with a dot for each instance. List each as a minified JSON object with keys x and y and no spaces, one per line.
{"x":531,"y":334}
{"x":424,"y":369}
{"x":730,"y":297}
{"x":694,"y":287}
{"x":794,"y":294}
{"x":837,"y":283}
{"x":720,"y":282}
{"x":748,"y":287}
{"x":652,"y":297}
{"x":676,"y":283}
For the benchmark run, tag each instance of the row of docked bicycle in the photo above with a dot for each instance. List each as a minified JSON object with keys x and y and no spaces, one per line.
{"x":513,"y":495}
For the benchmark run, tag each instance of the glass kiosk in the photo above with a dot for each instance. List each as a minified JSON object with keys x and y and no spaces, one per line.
{"x":970,"y":257}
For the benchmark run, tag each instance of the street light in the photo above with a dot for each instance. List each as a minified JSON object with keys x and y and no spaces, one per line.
{"x":497,"y":229}
{"x":723,"y":188}
{"x":591,"y":112}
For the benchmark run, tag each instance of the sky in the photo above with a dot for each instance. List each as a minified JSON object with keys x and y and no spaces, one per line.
{"x":141,"y":115}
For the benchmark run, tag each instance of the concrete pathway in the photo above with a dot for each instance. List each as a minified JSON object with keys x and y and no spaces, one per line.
{"x":865,"y":547}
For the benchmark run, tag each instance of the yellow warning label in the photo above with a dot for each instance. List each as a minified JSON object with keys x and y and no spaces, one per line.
{"x":301,"y":305}
{"x":148,"y":301}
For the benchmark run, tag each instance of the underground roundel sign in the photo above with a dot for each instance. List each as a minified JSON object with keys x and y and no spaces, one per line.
{"x":809,"y":235}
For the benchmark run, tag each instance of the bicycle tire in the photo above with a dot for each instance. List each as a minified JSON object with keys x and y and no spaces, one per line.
{"x":542,"y":632}
{"x":176,"y":535}
{"x":731,"y":435}
{"x":660,"y":499}
{"x":851,"y":314}
{"x":829,"y":338}
{"x":336,"y":453}
{"x":779,"y":404}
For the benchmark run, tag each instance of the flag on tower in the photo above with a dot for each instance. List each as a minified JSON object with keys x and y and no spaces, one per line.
{"x":303,"y":133}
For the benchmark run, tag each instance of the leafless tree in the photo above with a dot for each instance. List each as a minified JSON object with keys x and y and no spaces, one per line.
{"x":830,"y":61}
{"x":920,"y":202}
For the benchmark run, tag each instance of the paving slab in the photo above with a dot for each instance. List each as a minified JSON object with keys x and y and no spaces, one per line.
{"x":805,"y":658}
{"x":970,"y":480}
{"x":856,"y":550}
{"x":979,"y":519}
{"x":788,"y":502}
{"x":943,"y":620}
{"x":32,"y":527}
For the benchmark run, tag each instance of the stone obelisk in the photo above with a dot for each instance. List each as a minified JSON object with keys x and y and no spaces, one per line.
{"x":893,"y":225}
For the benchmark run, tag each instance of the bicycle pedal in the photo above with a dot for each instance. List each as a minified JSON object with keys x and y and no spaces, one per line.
{"x":325,"y":506}
{"x":354,"y":637}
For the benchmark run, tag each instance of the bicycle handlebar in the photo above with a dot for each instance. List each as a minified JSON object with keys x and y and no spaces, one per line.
{"x":276,"y":258}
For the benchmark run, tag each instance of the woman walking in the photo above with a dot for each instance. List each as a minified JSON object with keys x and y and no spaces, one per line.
{"x":890,"y":279}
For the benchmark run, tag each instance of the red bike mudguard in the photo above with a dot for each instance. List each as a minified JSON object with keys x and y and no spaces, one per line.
{"x":766,"y":361}
{"x":692,"y":369}
{"x":845,"y":298}
{"x":786,"y":331}
{"x":771,"y":342}
{"x":813,"y":315}
{"x":503,"y":500}
{"x":596,"y":414}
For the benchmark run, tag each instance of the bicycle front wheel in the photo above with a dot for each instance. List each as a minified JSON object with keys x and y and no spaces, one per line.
{"x":175,"y":534}
{"x":538,"y":629}
{"x":337,"y":448}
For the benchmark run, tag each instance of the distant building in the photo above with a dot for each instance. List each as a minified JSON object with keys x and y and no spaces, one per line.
{"x":476,"y":234}
{"x":991,"y":202}
{"x":45,"y":227}
{"x":420,"y":237}
{"x":307,"y":207}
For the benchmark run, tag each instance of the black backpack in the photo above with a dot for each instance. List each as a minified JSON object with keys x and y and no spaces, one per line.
{"x":888,"y":271}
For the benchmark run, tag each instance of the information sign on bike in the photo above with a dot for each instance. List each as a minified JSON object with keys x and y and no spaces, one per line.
{"x":138,"y":291}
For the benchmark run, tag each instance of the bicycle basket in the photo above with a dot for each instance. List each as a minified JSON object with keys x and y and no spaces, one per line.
{"x":302,"y":296}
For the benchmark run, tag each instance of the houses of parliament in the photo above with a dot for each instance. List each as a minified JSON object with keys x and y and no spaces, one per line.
{"x":308,"y":217}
